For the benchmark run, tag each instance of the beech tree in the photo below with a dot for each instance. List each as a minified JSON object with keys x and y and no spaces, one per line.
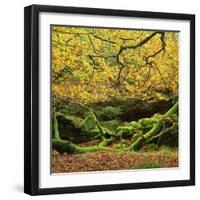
{"x":91,"y":65}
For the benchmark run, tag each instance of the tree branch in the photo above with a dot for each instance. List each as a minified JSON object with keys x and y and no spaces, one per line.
{"x":139,"y":44}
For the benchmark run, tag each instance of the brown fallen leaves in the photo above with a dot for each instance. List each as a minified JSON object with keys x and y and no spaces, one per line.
{"x":110,"y":160}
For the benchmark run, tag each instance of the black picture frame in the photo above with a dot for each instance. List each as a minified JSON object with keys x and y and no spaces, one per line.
{"x":31,"y":98}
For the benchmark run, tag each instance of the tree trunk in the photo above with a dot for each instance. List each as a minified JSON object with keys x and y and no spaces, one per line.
{"x":56,"y":134}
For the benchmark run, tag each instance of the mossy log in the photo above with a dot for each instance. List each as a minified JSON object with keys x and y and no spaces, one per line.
{"x":66,"y":146}
{"x":155,"y":129}
{"x":143,"y":138}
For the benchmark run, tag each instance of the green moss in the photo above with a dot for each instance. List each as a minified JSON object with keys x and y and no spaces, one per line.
{"x":125,"y":131}
{"x":108,"y":113}
{"x":111,"y":124}
{"x":152,"y":146}
{"x":147,"y":165}
{"x":66,"y":146}
{"x":88,"y":123}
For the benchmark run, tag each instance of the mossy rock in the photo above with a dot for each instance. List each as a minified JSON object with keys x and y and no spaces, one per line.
{"x":69,"y":126}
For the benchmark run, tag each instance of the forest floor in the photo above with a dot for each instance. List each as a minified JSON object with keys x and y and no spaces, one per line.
{"x":164,"y":157}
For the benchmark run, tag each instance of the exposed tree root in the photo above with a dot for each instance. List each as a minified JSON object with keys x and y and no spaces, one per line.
{"x":66,"y":146}
{"x":138,"y":143}
{"x":157,"y":127}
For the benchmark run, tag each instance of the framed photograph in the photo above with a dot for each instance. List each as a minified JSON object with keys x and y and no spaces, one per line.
{"x":109,"y":99}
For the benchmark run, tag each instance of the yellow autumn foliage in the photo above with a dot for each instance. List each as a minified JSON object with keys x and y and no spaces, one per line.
{"x":87,"y":65}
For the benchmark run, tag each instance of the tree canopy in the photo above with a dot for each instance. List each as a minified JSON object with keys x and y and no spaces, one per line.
{"x":92,"y":65}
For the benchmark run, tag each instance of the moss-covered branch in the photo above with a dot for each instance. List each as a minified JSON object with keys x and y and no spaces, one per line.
{"x":142,"y":132}
{"x":138,"y":143}
{"x":66,"y":146}
{"x":56,"y":134}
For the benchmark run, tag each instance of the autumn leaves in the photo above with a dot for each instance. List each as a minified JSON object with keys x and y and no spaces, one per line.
{"x":94,"y":64}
